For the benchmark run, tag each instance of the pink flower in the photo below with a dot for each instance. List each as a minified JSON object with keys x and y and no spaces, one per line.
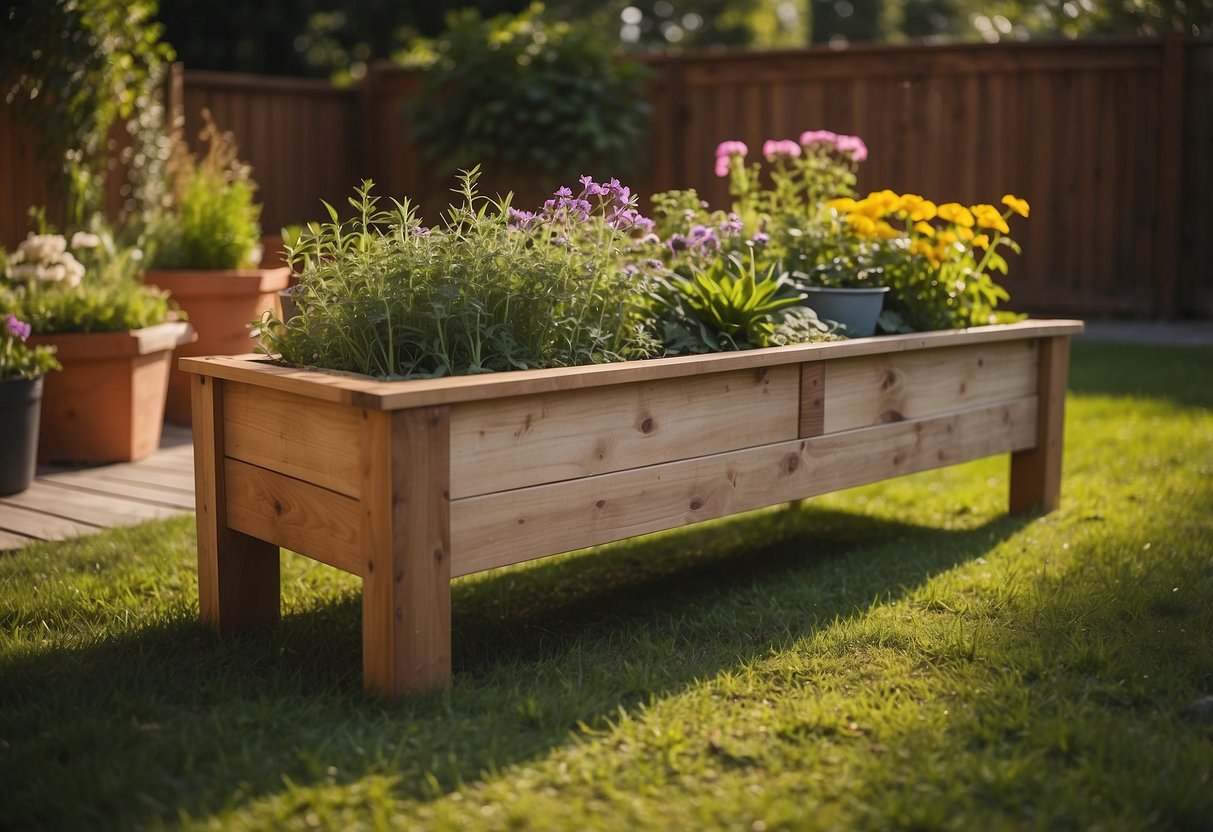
{"x":817,"y":137}
{"x":727,"y":149}
{"x":722,"y":166}
{"x":783,"y":147}
{"x":17,"y":328}
{"x":853,"y":145}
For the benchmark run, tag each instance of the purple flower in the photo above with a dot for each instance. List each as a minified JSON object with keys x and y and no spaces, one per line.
{"x":853,"y":145}
{"x":783,"y":147}
{"x":704,"y":237}
{"x":644,"y":224}
{"x":521,"y":219}
{"x":761,"y":237}
{"x":732,"y":148}
{"x":677,"y":243}
{"x":731,"y":227}
{"x":421,"y":231}
{"x":817,"y":137}
{"x":18,"y":328}
{"x":563,"y":192}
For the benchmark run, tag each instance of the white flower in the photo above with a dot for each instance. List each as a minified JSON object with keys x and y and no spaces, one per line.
{"x":42,"y":248}
{"x":73,"y":269}
{"x":54,"y":273}
{"x":23,"y":272}
{"x":83,"y":239}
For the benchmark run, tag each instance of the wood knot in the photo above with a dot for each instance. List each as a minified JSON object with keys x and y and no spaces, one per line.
{"x":790,"y":463}
{"x":600,"y":504}
{"x":647,"y":425}
{"x":696,"y":503}
{"x":438,"y":555}
{"x":889,"y":381}
{"x":277,"y":508}
{"x":892,"y":416}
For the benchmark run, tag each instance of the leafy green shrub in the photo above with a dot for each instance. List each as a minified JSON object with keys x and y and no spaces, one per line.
{"x":548,"y":95}
{"x":18,"y":360}
{"x":213,"y":221}
{"x":492,"y":288}
{"x":88,"y":285}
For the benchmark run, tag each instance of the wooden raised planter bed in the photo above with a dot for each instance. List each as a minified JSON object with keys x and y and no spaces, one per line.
{"x":408,"y":484}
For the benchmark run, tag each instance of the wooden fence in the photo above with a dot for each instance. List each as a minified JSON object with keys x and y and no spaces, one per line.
{"x":1110,"y":141}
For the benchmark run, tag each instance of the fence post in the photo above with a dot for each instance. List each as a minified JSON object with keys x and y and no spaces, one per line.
{"x":1169,"y":182}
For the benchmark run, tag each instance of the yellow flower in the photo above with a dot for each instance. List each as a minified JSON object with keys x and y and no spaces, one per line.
{"x":861,"y":224}
{"x":910,"y":201}
{"x":924,"y":228}
{"x":885,"y":231}
{"x":993,"y":219}
{"x":964,"y":233}
{"x":946,"y":238}
{"x":925,"y":210}
{"x":1019,"y":206}
{"x":842,"y":205}
{"x":956,"y":213}
{"x":982,"y":241}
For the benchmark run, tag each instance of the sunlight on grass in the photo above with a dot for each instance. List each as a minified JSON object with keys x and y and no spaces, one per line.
{"x":903,"y":655}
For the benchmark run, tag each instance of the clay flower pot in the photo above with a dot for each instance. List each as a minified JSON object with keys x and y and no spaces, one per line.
{"x":107,"y":405}
{"x":220,"y":304}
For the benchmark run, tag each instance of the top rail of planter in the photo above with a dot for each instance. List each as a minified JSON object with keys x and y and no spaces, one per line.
{"x":361,"y":391}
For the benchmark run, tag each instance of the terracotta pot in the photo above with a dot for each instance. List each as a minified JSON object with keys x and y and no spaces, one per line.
{"x":220,"y":304}
{"x":107,"y":405}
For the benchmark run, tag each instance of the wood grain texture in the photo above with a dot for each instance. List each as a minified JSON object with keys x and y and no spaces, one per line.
{"x":530,"y":440}
{"x":509,"y":527}
{"x":361,"y":391}
{"x":238,"y":575}
{"x":812,"y":399}
{"x":405,"y":535}
{"x":293,"y":514}
{"x":1036,"y":472}
{"x":314,"y":441}
{"x":891,"y":388}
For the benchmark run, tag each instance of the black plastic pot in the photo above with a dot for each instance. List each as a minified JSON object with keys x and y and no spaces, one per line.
{"x":20,"y":406}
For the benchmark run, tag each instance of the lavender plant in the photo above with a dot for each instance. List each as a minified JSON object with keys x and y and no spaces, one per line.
{"x":491,"y":288}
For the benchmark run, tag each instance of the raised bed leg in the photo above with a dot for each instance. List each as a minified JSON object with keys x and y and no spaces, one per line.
{"x":238,"y":575}
{"x":406,"y":594}
{"x":1036,"y":473}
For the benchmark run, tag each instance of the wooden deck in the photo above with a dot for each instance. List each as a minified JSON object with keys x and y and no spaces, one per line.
{"x":67,"y":502}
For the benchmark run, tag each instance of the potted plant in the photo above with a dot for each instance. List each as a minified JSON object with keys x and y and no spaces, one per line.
{"x":205,"y":250}
{"x":22,"y":369}
{"x":848,"y":255}
{"x":113,"y":335}
{"x":504,"y":386}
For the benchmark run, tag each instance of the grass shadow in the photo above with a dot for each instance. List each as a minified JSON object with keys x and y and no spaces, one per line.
{"x":166,"y":719}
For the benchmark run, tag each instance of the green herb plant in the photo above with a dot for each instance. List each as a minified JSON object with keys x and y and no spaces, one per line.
{"x":213,"y":221}
{"x":18,"y":359}
{"x":490,"y":288}
{"x":729,"y":306}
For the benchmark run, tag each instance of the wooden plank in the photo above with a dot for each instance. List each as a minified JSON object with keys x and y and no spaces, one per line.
{"x":151,"y":495}
{"x":181,"y":481}
{"x":10,"y":541}
{"x":510,"y":527}
{"x":529,"y":440}
{"x":406,"y":595}
{"x":1036,"y":472}
{"x":1168,"y":199}
{"x":314,"y":441}
{"x":361,"y":391}
{"x":890,"y":388}
{"x":41,"y":526}
{"x":84,"y":507}
{"x":296,"y":515}
{"x":812,"y":399}
{"x":239,"y":583}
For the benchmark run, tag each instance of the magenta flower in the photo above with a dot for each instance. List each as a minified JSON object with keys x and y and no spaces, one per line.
{"x":853,"y":145}
{"x":722,"y":166}
{"x":731,"y":148}
{"x":18,"y":328}
{"x":817,"y":137}
{"x":783,"y":147}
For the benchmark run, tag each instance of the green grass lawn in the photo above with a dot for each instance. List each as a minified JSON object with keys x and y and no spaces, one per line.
{"x":900,"y":656}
